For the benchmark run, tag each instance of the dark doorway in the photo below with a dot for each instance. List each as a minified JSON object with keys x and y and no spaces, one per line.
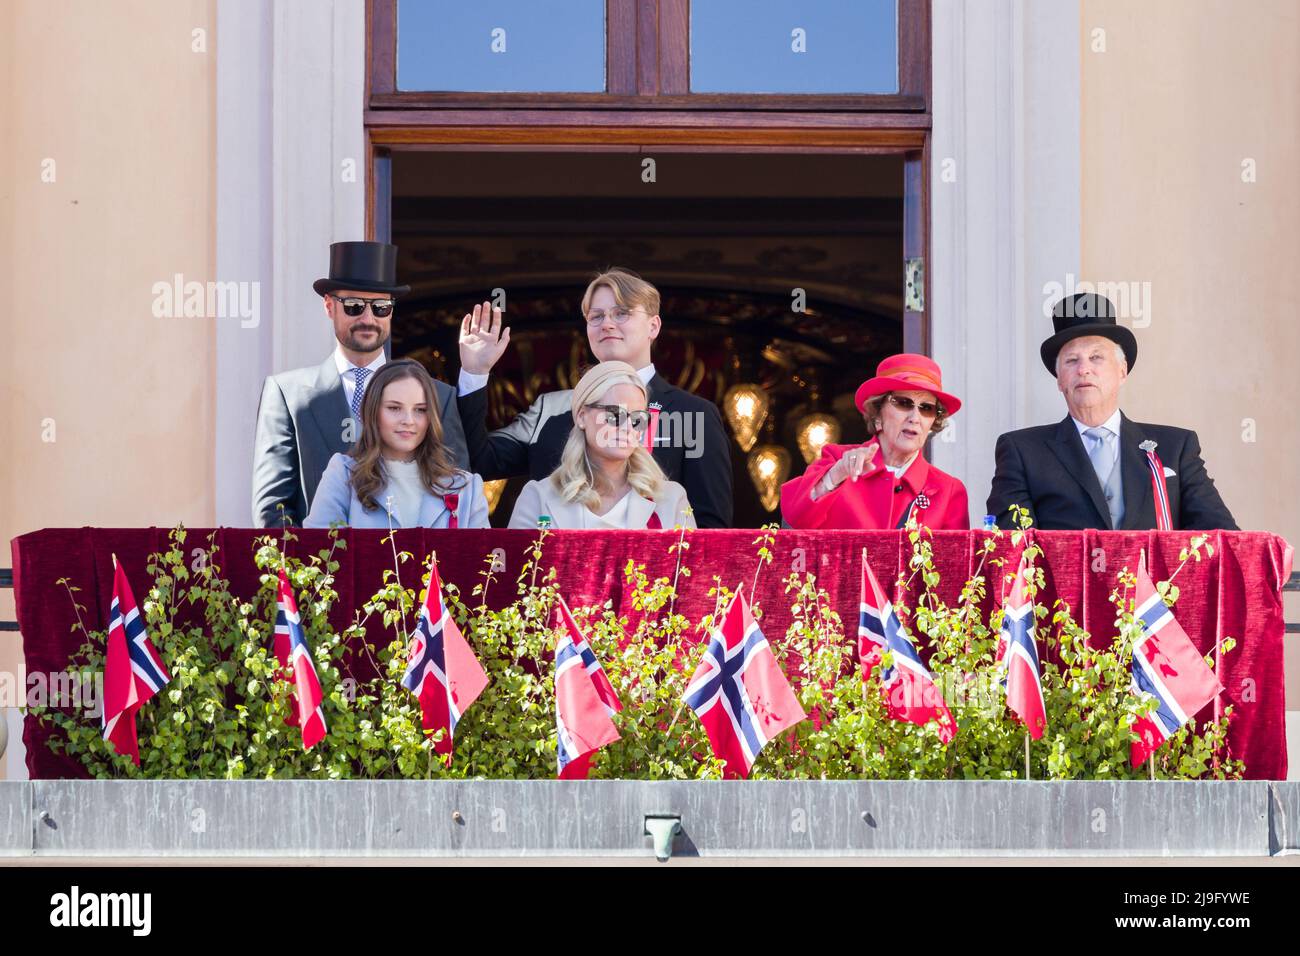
{"x":729,"y":239}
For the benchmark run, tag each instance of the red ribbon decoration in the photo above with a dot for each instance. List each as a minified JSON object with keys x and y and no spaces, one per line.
{"x":452,"y":502}
{"x":1164,"y":521}
{"x":653,"y":428}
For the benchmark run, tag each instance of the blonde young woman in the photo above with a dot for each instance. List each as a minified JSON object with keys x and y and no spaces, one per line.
{"x":400,"y":471}
{"x":606,"y":477}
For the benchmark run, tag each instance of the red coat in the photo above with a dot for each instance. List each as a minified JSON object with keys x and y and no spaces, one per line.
{"x":876,"y":499}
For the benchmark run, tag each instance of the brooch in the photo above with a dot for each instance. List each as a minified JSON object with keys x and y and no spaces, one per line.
{"x":1148,"y":446}
{"x":922,"y":501}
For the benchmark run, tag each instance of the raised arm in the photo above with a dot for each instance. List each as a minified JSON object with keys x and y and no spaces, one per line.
{"x":453,"y":432}
{"x":504,"y":452}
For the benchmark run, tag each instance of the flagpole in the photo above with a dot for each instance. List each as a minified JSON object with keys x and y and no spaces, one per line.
{"x":1218,"y":698}
{"x":1026,"y":755}
{"x":1151,"y":765}
{"x":397,"y":572}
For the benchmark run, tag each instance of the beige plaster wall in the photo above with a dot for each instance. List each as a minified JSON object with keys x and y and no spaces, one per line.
{"x":1191,"y":182}
{"x":117,"y":96}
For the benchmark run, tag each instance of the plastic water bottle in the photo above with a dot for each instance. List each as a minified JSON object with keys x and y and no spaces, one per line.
{"x":990,"y":523}
{"x":543,"y":521}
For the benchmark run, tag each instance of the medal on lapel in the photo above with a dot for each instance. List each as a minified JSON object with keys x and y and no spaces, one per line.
{"x":653,"y":428}
{"x":920,"y":502}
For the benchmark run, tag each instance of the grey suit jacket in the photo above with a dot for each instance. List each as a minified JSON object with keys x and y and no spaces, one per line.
{"x":303,"y":420}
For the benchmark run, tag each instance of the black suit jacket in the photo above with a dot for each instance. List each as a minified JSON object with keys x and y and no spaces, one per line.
{"x":1047,"y":470}
{"x":532,"y":444}
{"x":303,"y":420}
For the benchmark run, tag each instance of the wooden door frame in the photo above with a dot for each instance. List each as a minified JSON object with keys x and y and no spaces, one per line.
{"x":911,"y":145}
{"x":647,"y":67}
{"x":647,"y":107}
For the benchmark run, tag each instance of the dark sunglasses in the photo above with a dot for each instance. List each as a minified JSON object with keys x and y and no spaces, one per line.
{"x":619,"y":416}
{"x":903,"y":403}
{"x":353,"y":306}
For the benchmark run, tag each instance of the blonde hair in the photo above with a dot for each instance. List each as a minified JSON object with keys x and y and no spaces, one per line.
{"x":630,"y":290}
{"x":575,"y":480}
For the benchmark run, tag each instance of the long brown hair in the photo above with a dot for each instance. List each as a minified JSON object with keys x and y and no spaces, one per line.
{"x":436,"y":467}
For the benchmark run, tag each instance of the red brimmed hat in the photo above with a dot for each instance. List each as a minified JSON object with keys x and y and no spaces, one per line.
{"x":907,"y":372}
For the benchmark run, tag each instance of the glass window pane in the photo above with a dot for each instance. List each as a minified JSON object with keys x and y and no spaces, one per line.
{"x":794,"y":46}
{"x":501,"y":46}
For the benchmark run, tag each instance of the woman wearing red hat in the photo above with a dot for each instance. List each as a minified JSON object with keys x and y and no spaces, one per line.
{"x":886,"y":480}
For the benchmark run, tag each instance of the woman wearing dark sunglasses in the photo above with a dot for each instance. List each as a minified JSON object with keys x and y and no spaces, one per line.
{"x":607,"y":477}
{"x":885,"y":481}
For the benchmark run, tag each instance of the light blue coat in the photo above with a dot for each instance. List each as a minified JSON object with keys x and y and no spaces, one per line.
{"x":336,"y":501}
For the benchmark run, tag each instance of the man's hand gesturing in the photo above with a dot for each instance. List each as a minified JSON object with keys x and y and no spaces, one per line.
{"x":483,"y":339}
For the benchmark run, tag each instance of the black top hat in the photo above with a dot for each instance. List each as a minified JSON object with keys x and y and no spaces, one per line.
{"x":1086,"y":313}
{"x":363,"y":267}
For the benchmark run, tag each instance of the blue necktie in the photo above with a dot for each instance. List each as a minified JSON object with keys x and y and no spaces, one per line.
{"x":359,"y":391}
{"x":1106,"y":464}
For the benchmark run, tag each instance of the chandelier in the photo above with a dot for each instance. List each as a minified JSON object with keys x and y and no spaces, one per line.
{"x":769,"y":467}
{"x":746,"y":406}
{"x":815,"y":431}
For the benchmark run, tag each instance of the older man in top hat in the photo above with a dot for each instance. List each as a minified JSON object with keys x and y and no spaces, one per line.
{"x":1097,"y":468}
{"x":307,"y":415}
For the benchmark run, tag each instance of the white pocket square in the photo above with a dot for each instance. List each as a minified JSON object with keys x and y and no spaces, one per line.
{"x":1170,"y":473}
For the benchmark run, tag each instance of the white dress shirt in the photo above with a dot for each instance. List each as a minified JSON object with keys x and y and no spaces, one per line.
{"x":1111,"y":424}
{"x":348,"y":371}
{"x":615,"y":517}
{"x":902,"y":469}
{"x":470,"y":382}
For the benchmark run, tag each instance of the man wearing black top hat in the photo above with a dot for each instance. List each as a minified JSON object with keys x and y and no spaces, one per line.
{"x":308,"y":414}
{"x":1097,"y":468}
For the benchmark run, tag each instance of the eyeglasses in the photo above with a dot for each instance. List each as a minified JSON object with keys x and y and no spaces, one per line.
{"x":354,"y":306}
{"x":597,"y":316}
{"x":903,"y":403}
{"x":619,"y":416}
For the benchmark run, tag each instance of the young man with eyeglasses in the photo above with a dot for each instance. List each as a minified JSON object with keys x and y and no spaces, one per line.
{"x":621,"y":313}
{"x":307,"y":415}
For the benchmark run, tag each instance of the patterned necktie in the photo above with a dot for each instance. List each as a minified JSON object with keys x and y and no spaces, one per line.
{"x":361,"y":374}
{"x":1106,"y":464}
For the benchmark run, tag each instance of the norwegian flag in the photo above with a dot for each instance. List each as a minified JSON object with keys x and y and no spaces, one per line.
{"x":133,"y":669}
{"x":584,"y":698}
{"x":739,"y":693}
{"x":1017,"y":657}
{"x":296,"y":661}
{"x":563,"y":620}
{"x":910,"y":692}
{"x":1167,"y":667}
{"x":441,"y":669}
